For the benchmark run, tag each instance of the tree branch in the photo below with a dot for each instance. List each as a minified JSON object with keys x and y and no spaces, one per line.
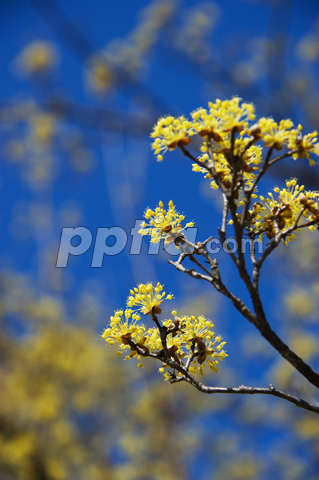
{"x":243,"y":390}
{"x":258,"y":319}
{"x":168,"y":358}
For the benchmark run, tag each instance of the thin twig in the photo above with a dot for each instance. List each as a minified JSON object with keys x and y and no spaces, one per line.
{"x":165,"y":357}
{"x":209,"y":167}
{"x":243,"y":390}
{"x":215,"y":280}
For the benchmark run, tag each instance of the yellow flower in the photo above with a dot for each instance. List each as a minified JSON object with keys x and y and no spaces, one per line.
{"x":274,"y":134}
{"x":163,"y":223}
{"x":122,"y":327}
{"x":206,"y":124}
{"x":126,"y":330}
{"x":100,"y":76}
{"x":42,"y":127}
{"x":221,"y":118}
{"x":147,"y":298}
{"x":304,"y":144}
{"x":188,"y":339}
{"x":38,"y":57}
{"x":279,"y":214}
{"x":192,"y":335}
{"x":248,"y":161}
{"x":169,"y":133}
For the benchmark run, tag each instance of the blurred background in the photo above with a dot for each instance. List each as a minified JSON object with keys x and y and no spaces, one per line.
{"x":82,"y":84}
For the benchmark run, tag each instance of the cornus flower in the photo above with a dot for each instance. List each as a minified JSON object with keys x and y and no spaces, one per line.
{"x":123,"y":328}
{"x":187,"y":341}
{"x":233,"y":115}
{"x":207,"y":125}
{"x":42,"y":127}
{"x":273,"y":215}
{"x":194,"y":336}
{"x":304,"y":145}
{"x":38,"y":57}
{"x":221,"y":118}
{"x":148,"y":298}
{"x":169,"y":133}
{"x":247,"y":160}
{"x":274,"y":134}
{"x":163,"y":223}
{"x":174,"y":344}
{"x":198,"y":333}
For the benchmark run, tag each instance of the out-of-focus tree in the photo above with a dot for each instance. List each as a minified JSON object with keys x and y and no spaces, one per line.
{"x":68,"y":410}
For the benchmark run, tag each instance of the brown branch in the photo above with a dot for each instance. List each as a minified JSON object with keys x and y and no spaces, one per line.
{"x":250,"y":191}
{"x":243,"y":390}
{"x":225,"y":215}
{"x":285,"y":155}
{"x":209,"y":167}
{"x":165,"y":357}
{"x":217,"y":283}
{"x":258,"y":319}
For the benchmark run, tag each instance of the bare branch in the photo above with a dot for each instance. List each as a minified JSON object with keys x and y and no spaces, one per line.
{"x":243,"y":390}
{"x":225,"y":215}
{"x":209,"y":167}
{"x":217,"y":283}
{"x":258,"y":319}
{"x":166,"y":357}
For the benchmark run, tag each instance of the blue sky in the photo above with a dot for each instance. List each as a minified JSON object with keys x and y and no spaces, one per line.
{"x":126,"y":178}
{"x":116,"y":192}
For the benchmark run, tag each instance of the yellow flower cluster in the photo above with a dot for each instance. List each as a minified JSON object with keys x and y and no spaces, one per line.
{"x":125,"y":330}
{"x":304,"y":145}
{"x":42,"y":127}
{"x":38,"y":57}
{"x":195,"y":336}
{"x":276,"y":215}
{"x":163,"y":223}
{"x":187,"y":339}
{"x":274,"y":134}
{"x":215,"y":124}
{"x":148,"y":298}
{"x":121,"y":327}
{"x":283,"y":134}
{"x":249,"y":157}
{"x":169,"y":133}
{"x":229,"y":139}
{"x":221,"y":118}
{"x":100,"y":75}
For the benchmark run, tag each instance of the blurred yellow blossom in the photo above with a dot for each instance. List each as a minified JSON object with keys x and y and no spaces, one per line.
{"x":42,"y":127}
{"x":100,"y":76}
{"x":38,"y":57}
